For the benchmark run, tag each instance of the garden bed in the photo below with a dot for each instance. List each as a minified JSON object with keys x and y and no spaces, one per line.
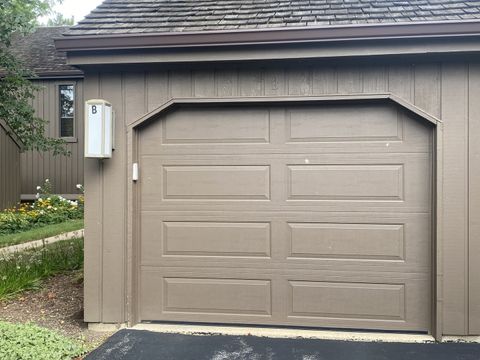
{"x":25,"y":270}
{"x":57,"y":305}
{"x":48,"y":209}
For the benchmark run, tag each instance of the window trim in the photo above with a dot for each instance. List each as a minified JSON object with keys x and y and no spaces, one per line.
{"x":67,"y":139}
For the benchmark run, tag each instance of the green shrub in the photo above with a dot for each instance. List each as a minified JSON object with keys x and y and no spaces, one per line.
{"x":31,"y":342}
{"x":11,"y":222}
{"x":24,"y":270}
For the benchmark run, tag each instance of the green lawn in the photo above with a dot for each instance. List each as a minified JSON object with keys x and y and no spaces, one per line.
{"x":40,"y":232}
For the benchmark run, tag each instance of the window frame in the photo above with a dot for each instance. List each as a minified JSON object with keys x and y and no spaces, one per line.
{"x":73,"y":138}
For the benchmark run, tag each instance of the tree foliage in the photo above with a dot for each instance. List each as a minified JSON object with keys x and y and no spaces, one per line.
{"x":18,"y":18}
{"x":57,"y":19}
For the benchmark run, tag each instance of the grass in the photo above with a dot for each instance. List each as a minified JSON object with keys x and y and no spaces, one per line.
{"x":40,"y":232}
{"x":31,"y":342}
{"x":25,"y":270}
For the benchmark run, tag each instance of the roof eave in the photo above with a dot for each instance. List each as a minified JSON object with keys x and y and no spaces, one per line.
{"x":61,"y":74}
{"x":268,"y":36}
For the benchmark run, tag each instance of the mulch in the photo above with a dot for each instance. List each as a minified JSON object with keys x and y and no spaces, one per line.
{"x":58,"y":305}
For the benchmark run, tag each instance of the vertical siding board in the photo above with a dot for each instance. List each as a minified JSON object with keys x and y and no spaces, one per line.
{"x":80,"y":134}
{"x":180,"y":83}
{"x":132,"y":111}
{"x":374,"y":79}
{"x":48,"y":157}
{"x":250,"y":82}
{"x":274,"y":82}
{"x":134,"y":95}
{"x":157,"y":89}
{"x":474,"y":199}
{"x":114,"y":191}
{"x":35,"y":156}
{"x":93,"y":268}
{"x":350,"y":80}
{"x":300,"y":81}
{"x":226,"y":83}
{"x":73,"y":159}
{"x":4,"y":159}
{"x":204,"y":83}
{"x":3,"y":174}
{"x":325,"y":81}
{"x":400,"y":81}
{"x":455,"y":185}
{"x":3,"y":142}
{"x":3,"y":164}
{"x":24,"y":170}
{"x":427,"y":88}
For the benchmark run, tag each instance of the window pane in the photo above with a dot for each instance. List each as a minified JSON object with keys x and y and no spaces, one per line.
{"x":66,"y":126}
{"x":67,"y":110}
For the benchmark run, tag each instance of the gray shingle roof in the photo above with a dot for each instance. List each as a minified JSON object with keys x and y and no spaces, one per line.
{"x":38,"y":53}
{"x":153,"y":16}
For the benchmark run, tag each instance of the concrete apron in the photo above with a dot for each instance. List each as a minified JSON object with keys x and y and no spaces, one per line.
{"x":285,"y":333}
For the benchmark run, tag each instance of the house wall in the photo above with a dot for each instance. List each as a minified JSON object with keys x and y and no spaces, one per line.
{"x":447,"y":90}
{"x":9,"y":168}
{"x":64,"y":172}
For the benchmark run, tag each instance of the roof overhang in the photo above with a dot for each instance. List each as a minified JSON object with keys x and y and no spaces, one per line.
{"x":417,"y":30}
{"x":52,"y":75}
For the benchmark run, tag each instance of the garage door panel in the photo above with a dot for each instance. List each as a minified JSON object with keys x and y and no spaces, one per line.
{"x":365,"y":122}
{"x":321,"y":183}
{"x":347,"y":241}
{"x":349,"y":300}
{"x":345,"y":182}
{"x":378,"y":242}
{"x":184,"y":238}
{"x":216,"y":182}
{"x":346,"y":300}
{"x":210,"y":296}
{"x":217,"y":126}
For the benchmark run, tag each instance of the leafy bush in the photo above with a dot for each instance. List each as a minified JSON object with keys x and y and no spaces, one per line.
{"x":31,"y":342}
{"x":47,"y":209}
{"x":24,"y":270}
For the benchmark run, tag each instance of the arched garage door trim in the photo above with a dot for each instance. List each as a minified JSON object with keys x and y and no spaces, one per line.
{"x":132,"y":224}
{"x":285,"y":100}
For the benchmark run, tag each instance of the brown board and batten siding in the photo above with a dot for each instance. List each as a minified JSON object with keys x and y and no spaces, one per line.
{"x":10,"y":149}
{"x":64,"y":172}
{"x":443,"y":89}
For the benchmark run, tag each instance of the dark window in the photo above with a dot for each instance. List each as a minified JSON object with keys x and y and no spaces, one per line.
{"x":67,"y":110}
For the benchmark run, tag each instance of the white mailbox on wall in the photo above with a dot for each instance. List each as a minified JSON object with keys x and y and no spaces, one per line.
{"x":99,"y":129}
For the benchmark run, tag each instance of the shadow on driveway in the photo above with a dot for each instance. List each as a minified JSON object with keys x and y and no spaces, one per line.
{"x":145,"y":345}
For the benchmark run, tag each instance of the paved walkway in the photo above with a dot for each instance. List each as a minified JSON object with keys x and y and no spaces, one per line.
{"x":145,"y":345}
{"x":37,"y":243}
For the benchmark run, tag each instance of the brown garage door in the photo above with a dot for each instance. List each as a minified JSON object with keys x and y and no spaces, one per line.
{"x":300,"y":215}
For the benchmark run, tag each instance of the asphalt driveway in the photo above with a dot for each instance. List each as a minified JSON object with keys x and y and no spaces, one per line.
{"x":145,"y":345}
